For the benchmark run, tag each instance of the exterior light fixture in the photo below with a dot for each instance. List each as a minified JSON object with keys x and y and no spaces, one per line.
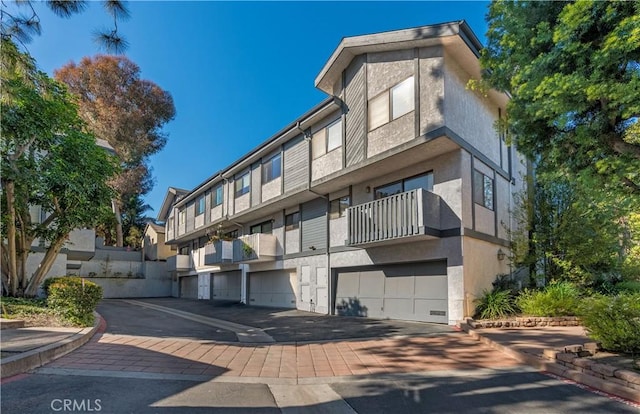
{"x":501,"y":254}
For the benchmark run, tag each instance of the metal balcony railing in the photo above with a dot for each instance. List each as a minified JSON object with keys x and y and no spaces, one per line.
{"x":414,"y":213}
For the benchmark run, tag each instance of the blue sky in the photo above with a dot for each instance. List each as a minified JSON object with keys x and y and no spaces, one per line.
{"x":238,"y":71}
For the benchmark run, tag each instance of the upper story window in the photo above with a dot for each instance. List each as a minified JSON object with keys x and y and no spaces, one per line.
{"x":217,"y":196}
{"x":482,"y":190}
{"x":243,"y":184}
{"x":272,"y":168}
{"x":338,"y":207}
{"x":170,"y":225}
{"x":182,"y":214}
{"x":392,"y":103}
{"x":233,"y":234}
{"x":200,"y":203}
{"x":327,"y":139}
{"x":265,"y":227}
{"x":424,"y":181}
{"x":292,"y":221}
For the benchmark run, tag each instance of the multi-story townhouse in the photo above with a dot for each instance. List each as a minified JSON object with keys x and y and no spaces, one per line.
{"x":391,"y":198}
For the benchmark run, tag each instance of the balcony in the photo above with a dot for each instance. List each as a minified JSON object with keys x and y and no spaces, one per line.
{"x":179,"y":262}
{"x":257,"y":247}
{"x":218,"y":252}
{"x":81,"y":244}
{"x":411,"y":215}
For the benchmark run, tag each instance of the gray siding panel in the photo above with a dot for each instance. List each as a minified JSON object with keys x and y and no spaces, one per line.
{"x":314,"y":224}
{"x":191,"y":216}
{"x":355,"y":99}
{"x":296,"y":164}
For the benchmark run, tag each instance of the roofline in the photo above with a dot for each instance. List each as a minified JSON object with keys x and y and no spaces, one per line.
{"x":327,"y":102}
{"x":416,"y":36}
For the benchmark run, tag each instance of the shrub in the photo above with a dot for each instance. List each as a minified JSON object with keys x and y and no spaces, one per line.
{"x":495,"y":304}
{"x":614,"y":321}
{"x":628,"y":286}
{"x":74,"y":299}
{"x":556,"y":299}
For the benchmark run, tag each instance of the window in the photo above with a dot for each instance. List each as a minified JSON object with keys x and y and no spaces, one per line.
{"x":338,"y":207}
{"x":482,"y":190}
{"x":271,"y":168}
{"x":292,"y":221}
{"x":200,"y":206}
{"x":265,"y":227}
{"x":424,"y":181}
{"x":170,"y":225}
{"x":181,"y":217}
{"x":233,"y":234}
{"x":327,"y":139}
{"x":184,"y":250}
{"x":217,"y":195}
{"x":392,"y":103}
{"x":243,"y":184}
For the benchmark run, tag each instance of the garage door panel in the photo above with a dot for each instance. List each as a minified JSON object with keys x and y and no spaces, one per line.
{"x":434,"y":310}
{"x":189,"y":287}
{"x":273,"y":288}
{"x":399,"y":286}
{"x":227,"y":286}
{"x":416,"y":291}
{"x":372,"y":283}
{"x":398,"y":308}
{"x":431,"y":287}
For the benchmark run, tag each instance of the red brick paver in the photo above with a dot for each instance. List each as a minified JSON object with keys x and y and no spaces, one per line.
{"x":340,"y":358}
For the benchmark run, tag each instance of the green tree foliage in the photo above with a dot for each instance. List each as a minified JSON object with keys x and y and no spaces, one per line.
{"x":20,"y":27}
{"x":573,"y":72}
{"x":48,"y":160}
{"x":128,"y":113}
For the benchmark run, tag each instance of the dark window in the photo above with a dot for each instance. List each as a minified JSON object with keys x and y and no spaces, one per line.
{"x":184,"y":250}
{"x":265,"y":227}
{"x":243,"y":184}
{"x":292,"y":221}
{"x":271,"y":168}
{"x":200,"y":206}
{"x":424,"y":181}
{"x":217,"y":195}
{"x":233,"y":234}
{"x":338,"y":207}
{"x":482,"y":190}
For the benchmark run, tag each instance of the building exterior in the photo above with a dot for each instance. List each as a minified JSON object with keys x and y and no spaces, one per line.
{"x":391,"y":198}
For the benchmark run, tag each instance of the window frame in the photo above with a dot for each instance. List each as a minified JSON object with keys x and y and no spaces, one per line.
{"x":486,"y":184}
{"x":337,"y":207}
{"x":239,"y":192}
{"x":386,"y":96}
{"x":323,"y":134}
{"x":402,"y":182}
{"x":295,"y":221}
{"x":200,"y":203}
{"x":214,"y":195}
{"x":264,"y":223}
{"x":268,"y":167}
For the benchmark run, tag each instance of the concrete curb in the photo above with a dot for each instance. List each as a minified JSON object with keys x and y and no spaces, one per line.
{"x":556,"y":369}
{"x":35,"y":358}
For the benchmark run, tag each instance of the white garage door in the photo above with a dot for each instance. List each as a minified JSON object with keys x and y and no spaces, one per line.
{"x":275,"y":288}
{"x":189,"y":287}
{"x":227,"y":286}
{"x":416,"y":291}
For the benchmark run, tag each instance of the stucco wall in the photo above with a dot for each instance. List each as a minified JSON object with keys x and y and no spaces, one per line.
{"x":157,"y":283}
{"x":272,"y":189}
{"x":431,"y":89}
{"x":242,"y":203}
{"x":326,"y":164}
{"x":468,"y":114}
{"x":481,"y":266}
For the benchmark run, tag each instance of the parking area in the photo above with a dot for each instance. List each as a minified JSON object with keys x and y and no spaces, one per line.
{"x":283,"y":325}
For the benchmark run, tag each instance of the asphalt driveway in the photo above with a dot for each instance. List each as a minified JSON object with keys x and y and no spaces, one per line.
{"x":284,"y":325}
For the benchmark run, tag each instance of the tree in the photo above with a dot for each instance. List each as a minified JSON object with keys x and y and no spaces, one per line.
{"x":21,"y":28}
{"x":573,"y":72}
{"x":48,"y":160}
{"x":127,"y":112}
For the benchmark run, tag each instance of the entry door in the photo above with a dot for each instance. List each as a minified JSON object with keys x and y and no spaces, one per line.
{"x":204,"y":286}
